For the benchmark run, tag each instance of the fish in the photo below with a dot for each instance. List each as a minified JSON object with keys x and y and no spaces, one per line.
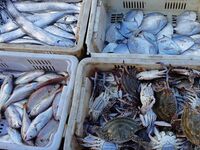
{"x":20,"y":110}
{"x":15,"y":74}
{"x":55,"y":106}
{"x":167,"y":46}
{"x":34,"y":31}
{"x":59,"y":32}
{"x":153,"y":22}
{"x":110,"y":48}
{"x":45,"y":136}
{"x":43,"y":104}
{"x":47,"y":76}
{"x":13,"y":117}
{"x":125,"y":31}
{"x":112,"y":34}
{"x":5,"y":17}
{"x":68,"y":19}
{"x":21,"y":92}
{"x":194,"y":50}
{"x":167,"y":31}
{"x":139,"y":45}
{"x":122,"y":49}
{"x":29,"y":76}
{"x":26,"y":41}
{"x":40,"y":94}
{"x":134,"y":16}
{"x":6,"y":90}
{"x":187,"y":15}
{"x":15,"y":136}
{"x":21,"y":103}
{"x":25,"y":125}
{"x":196,"y":38}
{"x":12,"y":35}
{"x":187,"y":27}
{"x":184,"y":42}
{"x":6,"y":139}
{"x":46,"y":6}
{"x":65,"y":27}
{"x":38,"y":123}
{"x":74,"y":28}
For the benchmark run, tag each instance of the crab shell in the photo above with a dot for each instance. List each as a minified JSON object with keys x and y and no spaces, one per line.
{"x":119,"y":130}
{"x":190,"y":122}
{"x":165,"y":106}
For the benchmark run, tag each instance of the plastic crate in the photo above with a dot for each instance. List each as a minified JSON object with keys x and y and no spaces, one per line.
{"x":105,"y":12}
{"x":28,"y":61}
{"x":77,"y":50}
{"x":83,"y":87}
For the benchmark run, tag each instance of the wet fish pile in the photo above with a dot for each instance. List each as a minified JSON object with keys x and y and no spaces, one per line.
{"x":30,"y":106}
{"x":40,"y":23}
{"x":137,"y":108}
{"x":152,"y":33}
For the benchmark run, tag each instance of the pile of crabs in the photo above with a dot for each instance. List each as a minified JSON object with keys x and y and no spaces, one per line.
{"x":137,"y":108}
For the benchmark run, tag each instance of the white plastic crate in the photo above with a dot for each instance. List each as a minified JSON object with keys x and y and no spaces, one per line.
{"x":77,"y":50}
{"x":29,"y":61}
{"x":83,"y":86}
{"x":105,"y":12}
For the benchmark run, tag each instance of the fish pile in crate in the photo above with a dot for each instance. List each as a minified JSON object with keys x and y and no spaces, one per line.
{"x":30,"y":106}
{"x":137,"y":108}
{"x":152,"y":33}
{"x":40,"y":23}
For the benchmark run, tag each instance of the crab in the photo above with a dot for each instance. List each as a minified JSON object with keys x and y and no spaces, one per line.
{"x":190,"y":120}
{"x":98,"y":105}
{"x":151,"y":74}
{"x":166,"y":104}
{"x":165,"y":140}
{"x":120,"y":130}
{"x":146,"y":97}
{"x":149,"y":120}
{"x":96,"y":143}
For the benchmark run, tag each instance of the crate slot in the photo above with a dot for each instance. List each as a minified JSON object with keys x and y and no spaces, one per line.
{"x":41,"y":64}
{"x":115,"y":18}
{"x":3,"y":65}
{"x":175,"y":5}
{"x":174,"y":20}
{"x":135,"y":4}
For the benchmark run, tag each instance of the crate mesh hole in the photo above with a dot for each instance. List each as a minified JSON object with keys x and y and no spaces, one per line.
{"x":3,"y":65}
{"x":115,"y":18}
{"x":41,"y":64}
{"x":175,"y":5}
{"x":174,"y":17}
{"x":135,"y":4}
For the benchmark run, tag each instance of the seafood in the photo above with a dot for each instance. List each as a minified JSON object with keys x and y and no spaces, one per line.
{"x":119,"y":130}
{"x":36,"y":20}
{"x":167,"y":31}
{"x":190,"y":119}
{"x":15,"y":136}
{"x":55,"y":106}
{"x":165,"y":140}
{"x":152,"y":74}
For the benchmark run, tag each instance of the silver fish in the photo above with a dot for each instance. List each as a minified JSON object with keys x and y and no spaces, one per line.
{"x":26,"y":41}
{"x":47,"y":77}
{"x":38,"y":123}
{"x":167,"y":46}
{"x":59,"y":32}
{"x":9,"y":36}
{"x":196,"y":38}
{"x":194,"y":50}
{"x":15,"y":74}
{"x":74,"y":28}
{"x":184,"y":42}
{"x":125,"y":31}
{"x":21,"y":93}
{"x":35,"y":31}
{"x":167,"y":31}
{"x":140,"y":45}
{"x":29,"y":76}
{"x":40,"y":94}
{"x":13,"y":117}
{"x":15,"y":136}
{"x":153,"y":22}
{"x":6,"y":139}
{"x":112,"y":34}
{"x":10,"y":26}
{"x":6,"y":90}
{"x":68,"y":19}
{"x":55,"y":106}
{"x":25,"y":125}
{"x":187,"y":15}
{"x":65,"y":27}
{"x":122,"y":49}
{"x":45,"y":136}
{"x":46,"y":6}
{"x":5,"y":17}
{"x":187,"y":27}
{"x":134,"y":16}
{"x":43,"y":104}
{"x":110,"y":48}
{"x":20,"y":110}
{"x":21,"y":103}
